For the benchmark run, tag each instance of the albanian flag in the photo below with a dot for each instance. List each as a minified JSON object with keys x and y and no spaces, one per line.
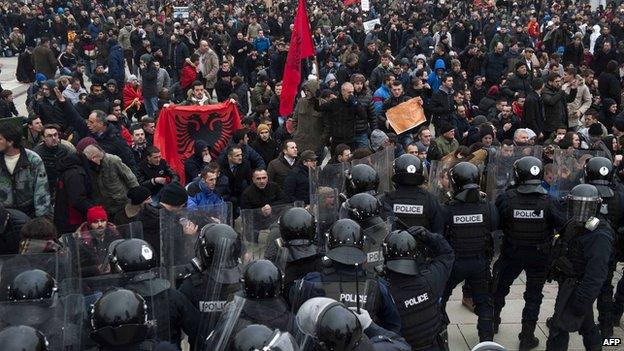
{"x":179,"y":127}
{"x":301,"y":47}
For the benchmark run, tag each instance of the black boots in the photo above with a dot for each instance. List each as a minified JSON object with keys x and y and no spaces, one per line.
{"x":527,"y":337}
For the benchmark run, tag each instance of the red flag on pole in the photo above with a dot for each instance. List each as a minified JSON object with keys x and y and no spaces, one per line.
{"x":301,"y":47}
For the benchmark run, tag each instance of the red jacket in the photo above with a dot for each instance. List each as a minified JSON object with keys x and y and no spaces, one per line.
{"x":188,"y":76}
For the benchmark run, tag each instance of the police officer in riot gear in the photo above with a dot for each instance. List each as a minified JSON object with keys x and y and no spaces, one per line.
{"x":343,"y":279}
{"x":470,"y":221}
{"x":259,"y":302}
{"x":325,"y":324}
{"x":261,"y":337}
{"x":361,"y":178}
{"x":297,"y":230}
{"x":23,"y":338}
{"x":416,"y":286}
{"x":119,"y":323}
{"x":599,"y":171}
{"x":410,"y":203}
{"x":527,"y":220}
{"x":580,"y":261}
{"x":134,"y":259}
{"x":214,"y":274}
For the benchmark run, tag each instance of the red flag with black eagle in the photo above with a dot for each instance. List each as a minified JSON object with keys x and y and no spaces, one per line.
{"x":301,"y":47}
{"x":179,"y":127}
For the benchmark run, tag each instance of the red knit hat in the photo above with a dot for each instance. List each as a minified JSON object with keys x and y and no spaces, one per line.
{"x":96,"y":213}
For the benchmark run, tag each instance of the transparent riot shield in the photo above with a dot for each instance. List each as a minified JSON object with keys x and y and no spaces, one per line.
{"x":152,"y":285}
{"x":567,"y":170}
{"x":260,"y":234}
{"x":499,"y":170}
{"x":58,"y":313}
{"x":381,"y":161}
{"x":439,"y":183}
{"x":373,"y":241}
{"x":227,"y":327}
{"x":325,"y":186}
{"x":179,"y":231}
{"x":88,"y":247}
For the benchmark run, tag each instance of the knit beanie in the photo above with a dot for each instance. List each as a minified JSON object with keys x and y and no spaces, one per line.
{"x":486,"y":130}
{"x":262,"y":127}
{"x":138,"y":194}
{"x":377,"y":138}
{"x":173,"y":194}
{"x":96,"y":213}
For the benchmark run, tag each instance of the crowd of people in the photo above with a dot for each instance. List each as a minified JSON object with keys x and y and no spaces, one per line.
{"x":522,"y":99}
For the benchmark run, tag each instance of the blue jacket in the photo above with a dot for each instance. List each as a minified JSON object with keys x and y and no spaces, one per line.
{"x":433,"y":80}
{"x":379,"y":97}
{"x":116,"y":68}
{"x":205,"y":197}
{"x":262,"y":44}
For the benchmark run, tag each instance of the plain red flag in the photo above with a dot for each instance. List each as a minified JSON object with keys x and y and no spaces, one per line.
{"x":179,"y":127}
{"x":301,"y":47}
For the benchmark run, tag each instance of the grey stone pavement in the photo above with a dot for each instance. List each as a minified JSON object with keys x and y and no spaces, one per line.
{"x":463,"y":328}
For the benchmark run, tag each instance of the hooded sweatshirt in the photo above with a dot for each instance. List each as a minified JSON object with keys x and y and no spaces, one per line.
{"x":435,"y":79}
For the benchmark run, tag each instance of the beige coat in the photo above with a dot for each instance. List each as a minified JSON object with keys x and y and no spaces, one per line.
{"x":582,"y":102}
{"x":210,"y":67}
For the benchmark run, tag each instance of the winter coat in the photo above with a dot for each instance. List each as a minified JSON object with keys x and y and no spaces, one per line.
{"x":253,"y":197}
{"x":260,"y":96}
{"x":45,"y":62}
{"x":111,"y":182}
{"x":493,"y":67}
{"x":339,"y":120}
{"x":194,"y":164}
{"x":74,"y":195}
{"x":116,"y":64}
{"x":533,"y":113}
{"x":268,"y":150}
{"x":442,"y":106}
{"x":308,"y":125}
{"x":377,"y":76}
{"x":555,"y":109}
{"x":609,"y":87}
{"x":205,"y":197}
{"x":297,"y":184}
{"x":517,"y":84}
{"x":149,"y":77}
{"x":51,"y":157}
{"x":210,"y":67}
{"x":111,"y":142}
{"x":27,"y":188}
{"x":434,"y":79}
{"x":50,"y":111}
{"x":582,"y":101}
{"x":147,"y":173}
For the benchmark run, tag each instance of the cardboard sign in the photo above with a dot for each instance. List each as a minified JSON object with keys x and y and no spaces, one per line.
{"x":370,"y":25}
{"x":406,"y":115}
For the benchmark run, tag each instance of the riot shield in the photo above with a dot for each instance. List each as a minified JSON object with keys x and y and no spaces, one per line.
{"x":58,"y":313}
{"x":381,"y":161}
{"x":88,"y":247}
{"x":439,"y":183}
{"x":219,"y":339}
{"x":373,"y":241}
{"x":179,"y":231}
{"x":567,"y":170}
{"x":260,"y":234}
{"x":152,"y":285}
{"x":499,"y":170}
{"x":325,"y":186}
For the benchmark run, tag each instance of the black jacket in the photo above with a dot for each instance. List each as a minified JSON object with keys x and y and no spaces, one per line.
{"x":609,"y":87}
{"x":73,"y":194}
{"x":253,"y":197}
{"x":147,"y":173}
{"x":194,"y":164}
{"x":533,"y":113}
{"x":297,"y":184}
{"x":112,"y":142}
{"x":442,"y":106}
{"x":517,"y":84}
{"x":238,"y":180}
{"x":555,"y":109}
{"x":268,"y":150}
{"x":7,"y":109}
{"x":339,"y":119}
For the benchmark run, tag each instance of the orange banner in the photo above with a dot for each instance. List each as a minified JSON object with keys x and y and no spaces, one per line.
{"x":406,"y":115}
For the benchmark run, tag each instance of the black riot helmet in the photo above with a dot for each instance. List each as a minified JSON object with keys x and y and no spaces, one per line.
{"x":362,"y":206}
{"x":131,"y":255}
{"x":598,"y":171}
{"x":217,"y":242}
{"x":345,"y":242}
{"x":402,"y":253}
{"x":22,"y":338}
{"x":464,"y":176}
{"x":528,"y":174}
{"x":33,"y":284}
{"x":408,"y":170}
{"x":361,"y":178}
{"x":118,"y":318}
{"x":252,"y":337}
{"x":583,"y":202}
{"x":297,"y":226}
{"x":262,"y":279}
{"x":330,"y":324}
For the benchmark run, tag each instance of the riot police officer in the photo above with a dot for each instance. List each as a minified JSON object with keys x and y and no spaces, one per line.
{"x":214,"y":274}
{"x":343,"y":279}
{"x":470,"y":221}
{"x":365,"y":209}
{"x":599,"y":171}
{"x":135,"y":260}
{"x":261,"y":337}
{"x":361,"y":178}
{"x":259,"y":302}
{"x":297,"y":252}
{"x":580,"y":259}
{"x":23,"y":337}
{"x":118,"y":322}
{"x":326,"y":324}
{"x":410,"y":203}
{"x":527,"y":221}
{"x":416,"y":286}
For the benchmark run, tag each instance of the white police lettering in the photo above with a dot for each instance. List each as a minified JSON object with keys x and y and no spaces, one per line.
{"x":211,"y":306}
{"x":528,"y":214}
{"x":344,"y":297}
{"x":416,"y":300}
{"x":408,"y":209}
{"x":373,"y":256}
{"x":467,"y":219}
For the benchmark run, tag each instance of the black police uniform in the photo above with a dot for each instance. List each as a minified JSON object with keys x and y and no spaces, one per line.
{"x":469,"y":227}
{"x":527,"y":221}
{"x":582,"y":264}
{"x":414,"y":206}
{"x":417,"y":297}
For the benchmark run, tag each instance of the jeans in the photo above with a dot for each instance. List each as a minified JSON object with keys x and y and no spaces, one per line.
{"x":151,"y":105}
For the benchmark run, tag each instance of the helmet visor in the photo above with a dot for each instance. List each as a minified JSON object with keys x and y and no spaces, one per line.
{"x":582,"y":208}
